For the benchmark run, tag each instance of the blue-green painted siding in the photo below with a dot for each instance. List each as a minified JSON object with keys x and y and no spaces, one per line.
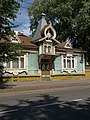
{"x":57,"y":65}
{"x":80,"y":62}
{"x":33,"y":63}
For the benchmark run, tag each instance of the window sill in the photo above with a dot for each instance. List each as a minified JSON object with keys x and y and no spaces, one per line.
{"x":15,"y":69}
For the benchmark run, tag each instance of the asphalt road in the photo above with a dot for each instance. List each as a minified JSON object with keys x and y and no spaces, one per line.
{"x":54,"y":104}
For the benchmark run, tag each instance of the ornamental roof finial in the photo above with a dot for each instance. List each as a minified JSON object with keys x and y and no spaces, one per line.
{"x":43,"y":14}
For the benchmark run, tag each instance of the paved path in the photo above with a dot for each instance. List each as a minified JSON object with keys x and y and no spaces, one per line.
{"x":35,"y":85}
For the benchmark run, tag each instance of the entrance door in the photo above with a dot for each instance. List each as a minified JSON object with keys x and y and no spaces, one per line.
{"x":45,"y":68}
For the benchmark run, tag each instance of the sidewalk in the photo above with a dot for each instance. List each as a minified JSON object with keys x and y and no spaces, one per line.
{"x":38,"y":85}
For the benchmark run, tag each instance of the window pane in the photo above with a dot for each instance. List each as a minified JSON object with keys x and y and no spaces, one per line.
{"x":45,"y":47}
{"x":68,"y":63}
{"x":64,"y":56}
{"x":49,"y":49}
{"x":15,"y":63}
{"x":22,"y":62}
{"x":72,"y":63}
{"x":72,"y":58}
{"x":68,"y":57}
{"x":8,"y":65}
{"x":64,"y":63}
{"x":1,"y":66}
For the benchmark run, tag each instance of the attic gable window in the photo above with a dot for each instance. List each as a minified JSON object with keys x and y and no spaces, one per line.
{"x":68,"y":44}
{"x":14,"y":39}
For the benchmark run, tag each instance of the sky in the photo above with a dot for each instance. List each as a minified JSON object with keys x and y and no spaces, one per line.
{"x":22,"y":18}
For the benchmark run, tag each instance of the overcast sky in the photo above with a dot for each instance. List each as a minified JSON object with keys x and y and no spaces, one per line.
{"x":22,"y":19}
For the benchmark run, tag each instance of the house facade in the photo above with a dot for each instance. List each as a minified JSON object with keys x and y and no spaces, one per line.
{"x":44,"y":57}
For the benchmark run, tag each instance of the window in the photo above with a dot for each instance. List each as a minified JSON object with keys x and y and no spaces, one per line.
{"x":21,"y":62}
{"x":45,"y":49}
{"x":73,"y":64}
{"x":49,"y":49}
{"x":1,"y":66}
{"x":14,"y":39}
{"x":68,"y":61}
{"x":17,"y":63}
{"x":8,"y":65}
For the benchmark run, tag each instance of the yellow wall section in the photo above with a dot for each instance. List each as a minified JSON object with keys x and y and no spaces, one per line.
{"x":54,"y":77}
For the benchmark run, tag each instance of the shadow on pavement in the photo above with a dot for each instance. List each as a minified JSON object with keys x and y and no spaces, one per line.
{"x":5,"y":85}
{"x":47,"y":108}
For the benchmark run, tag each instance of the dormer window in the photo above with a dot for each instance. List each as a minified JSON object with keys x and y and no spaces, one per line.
{"x":14,"y":39}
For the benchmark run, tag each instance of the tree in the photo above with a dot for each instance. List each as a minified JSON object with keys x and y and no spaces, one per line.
{"x":8,"y":11}
{"x":70,"y":18}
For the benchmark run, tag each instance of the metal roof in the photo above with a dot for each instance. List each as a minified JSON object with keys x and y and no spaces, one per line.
{"x":40,"y":26}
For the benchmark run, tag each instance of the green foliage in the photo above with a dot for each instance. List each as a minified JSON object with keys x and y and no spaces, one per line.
{"x":9,"y":51}
{"x":70,"y":18}
{"x":8,"y":11}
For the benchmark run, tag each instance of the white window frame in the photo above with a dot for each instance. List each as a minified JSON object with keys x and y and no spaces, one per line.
{"x":65,"y":57}
{"x":19,"y":67}
{"x":46,"y":46}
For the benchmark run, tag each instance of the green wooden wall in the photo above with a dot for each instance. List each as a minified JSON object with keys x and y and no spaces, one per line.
{"x":33,"y":63}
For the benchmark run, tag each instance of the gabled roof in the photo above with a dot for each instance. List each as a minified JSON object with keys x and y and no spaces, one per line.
{"x":66,"y":47}
{"x":76,"y":50}
{"x":2,"y":40}
{"x":65,"y":44}
{"x":61,"y":45}
{"x":10,"y":39}
{"x":44,"y":31}
{"x":25,"y":41}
